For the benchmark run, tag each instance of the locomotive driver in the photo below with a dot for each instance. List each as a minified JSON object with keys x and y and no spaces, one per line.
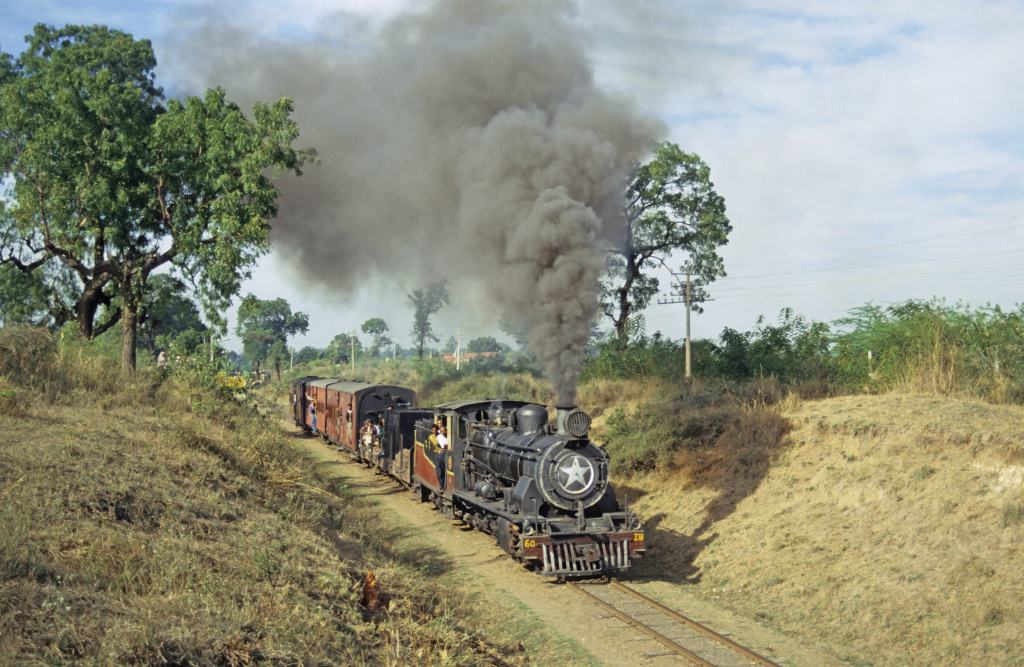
{"x":442,"y":451}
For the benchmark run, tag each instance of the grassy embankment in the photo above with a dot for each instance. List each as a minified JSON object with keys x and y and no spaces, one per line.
{"x":162,"y":522}
{"x":885,"y":528}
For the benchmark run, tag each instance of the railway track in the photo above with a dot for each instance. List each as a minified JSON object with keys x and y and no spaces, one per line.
{"x":682,"y":636}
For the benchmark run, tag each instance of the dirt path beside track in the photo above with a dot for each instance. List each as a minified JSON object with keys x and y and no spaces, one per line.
{"x":489,"y":571}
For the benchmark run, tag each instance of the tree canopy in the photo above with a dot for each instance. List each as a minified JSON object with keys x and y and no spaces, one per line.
{"x":167,"y":312}
{"x":112,"y":181}
{"x":339,"y":350}
{"x":378,"y":328}
{"x":672,"y":208}
{"x":308,"y":354}
{"x":484,"y":344}
{"x":264,"y":327}
{"x":24,"y":298}
{"x":425,"y":303}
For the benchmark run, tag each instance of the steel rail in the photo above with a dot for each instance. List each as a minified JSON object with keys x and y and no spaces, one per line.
{"x":699,"y":627}
{"x":675,"y":646}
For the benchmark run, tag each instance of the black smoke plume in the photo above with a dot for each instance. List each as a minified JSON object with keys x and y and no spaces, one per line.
{"x":465,"y":141}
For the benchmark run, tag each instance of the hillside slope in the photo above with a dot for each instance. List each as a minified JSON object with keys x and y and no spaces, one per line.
{"x":887,"y":529}
{"x":149,"y":523}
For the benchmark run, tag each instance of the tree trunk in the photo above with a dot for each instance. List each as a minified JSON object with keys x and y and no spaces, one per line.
{"x":625,"y":305}
{"x":129,"y":331}
{"x":277,"y":368}
{"x":86,"y":309}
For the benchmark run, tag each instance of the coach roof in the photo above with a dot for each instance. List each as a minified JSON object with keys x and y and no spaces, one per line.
{"x":323,"y":382}
{"x":347,"y":387}
{"x":356,"y":387}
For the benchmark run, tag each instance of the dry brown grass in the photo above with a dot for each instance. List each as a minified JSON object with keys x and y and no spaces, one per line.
{"x":888,"y":529}
{"x":161,"y":524}
{"x":599,"y":396}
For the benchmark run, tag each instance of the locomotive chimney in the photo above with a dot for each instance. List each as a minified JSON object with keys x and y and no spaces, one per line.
{"x":561,"y":412}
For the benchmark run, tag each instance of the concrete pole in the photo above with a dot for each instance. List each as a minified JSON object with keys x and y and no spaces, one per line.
{"x":458,"y":349}
{"x":689,"y":302}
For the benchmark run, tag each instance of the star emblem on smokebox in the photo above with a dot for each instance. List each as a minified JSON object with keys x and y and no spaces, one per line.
{"x":577,"y":475}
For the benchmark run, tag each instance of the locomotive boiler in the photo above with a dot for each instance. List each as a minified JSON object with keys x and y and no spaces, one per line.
{"x":542,"y":489}
{"x":562,"y":470}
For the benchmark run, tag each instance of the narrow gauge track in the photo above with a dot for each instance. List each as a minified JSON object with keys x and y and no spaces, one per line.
{"x":684,"y":636}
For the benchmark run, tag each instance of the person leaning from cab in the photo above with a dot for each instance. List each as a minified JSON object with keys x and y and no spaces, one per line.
{"x":439,"y":444}
{"x":367,"y":433}
{"x":312,"y":412}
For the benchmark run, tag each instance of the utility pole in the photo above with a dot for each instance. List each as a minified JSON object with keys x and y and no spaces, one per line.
{"x":291,"y":358}
{"x":689,"y":303}
{"x":458,"y":348}
{"x":685,"y":290}
{"x":352,"y":342}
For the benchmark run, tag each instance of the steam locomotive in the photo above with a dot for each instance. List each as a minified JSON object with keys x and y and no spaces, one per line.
{"x":540,"y":489}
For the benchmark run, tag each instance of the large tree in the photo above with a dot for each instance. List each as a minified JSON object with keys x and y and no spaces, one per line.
{"x":672,"y":211}
{"x":264,"y":327}
{"x":308,"y":354}
{"x":340,"y":349}
{"x":378,"y":328}
{"x":113,"y":182}
{"x":425,"y":303}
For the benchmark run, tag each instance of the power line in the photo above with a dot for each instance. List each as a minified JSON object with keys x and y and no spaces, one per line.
{"x":1002,"y":270}
{"x":860,"y":250}
{"x":873,"y":266}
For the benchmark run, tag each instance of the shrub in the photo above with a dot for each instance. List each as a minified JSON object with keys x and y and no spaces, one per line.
{"x":28,"y":356}
{"x":695,"y":428}
{"x":12,"y":402}
{"x":933,"y":347}
{"x":645,"y":357}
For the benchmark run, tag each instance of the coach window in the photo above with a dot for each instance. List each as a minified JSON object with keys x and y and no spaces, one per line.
{"x":462,"y":427}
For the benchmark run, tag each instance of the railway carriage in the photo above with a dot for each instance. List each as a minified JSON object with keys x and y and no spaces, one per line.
{"x":300,"y":406}
{"x":342,"y":407}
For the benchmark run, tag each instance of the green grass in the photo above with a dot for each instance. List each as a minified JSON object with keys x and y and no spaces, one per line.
{"x":1013,"y":514}
{"x":923,"y":473}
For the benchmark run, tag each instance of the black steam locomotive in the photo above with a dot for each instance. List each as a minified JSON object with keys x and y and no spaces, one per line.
{"x":541,"y":489}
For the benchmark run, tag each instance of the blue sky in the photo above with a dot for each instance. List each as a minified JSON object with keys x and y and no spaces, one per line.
{"x":867,"y":151}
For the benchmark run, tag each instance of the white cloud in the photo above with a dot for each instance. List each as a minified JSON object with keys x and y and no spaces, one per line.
{"x":837,"y":126}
